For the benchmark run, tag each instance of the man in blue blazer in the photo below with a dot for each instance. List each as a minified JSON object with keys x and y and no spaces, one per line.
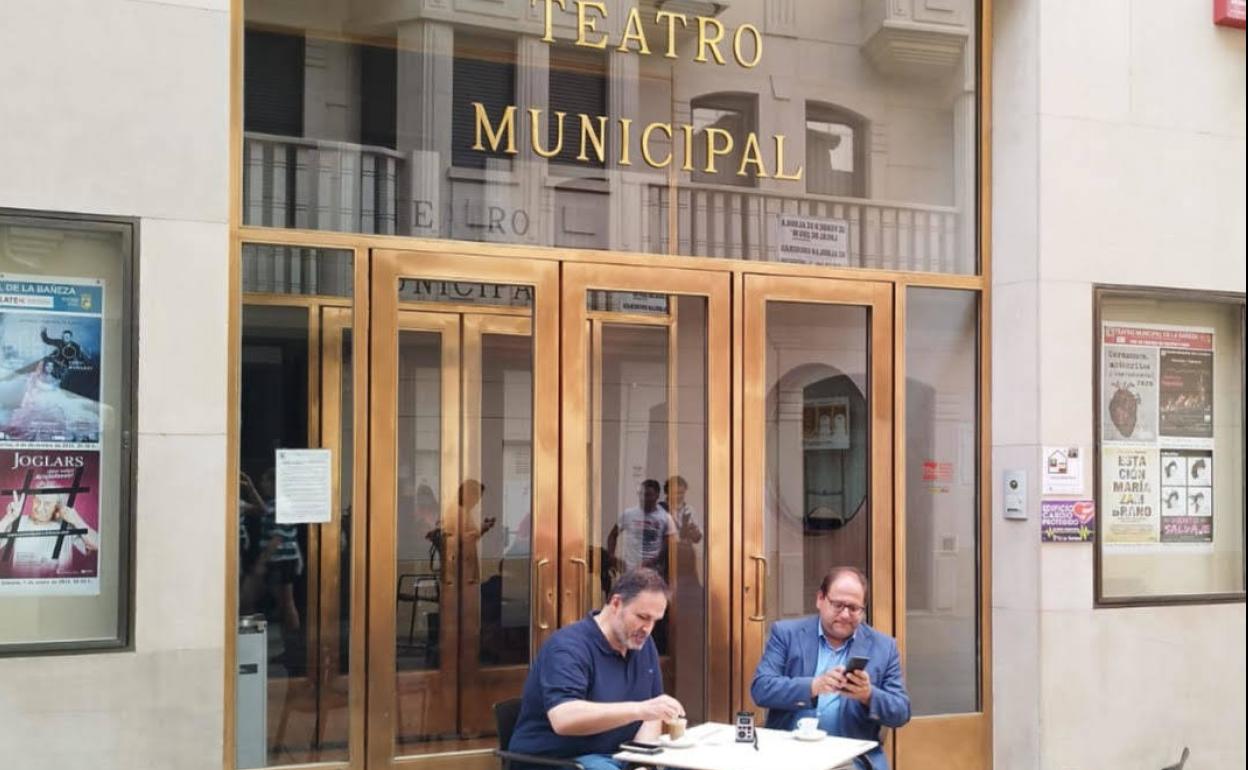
{"x":802,"y":673}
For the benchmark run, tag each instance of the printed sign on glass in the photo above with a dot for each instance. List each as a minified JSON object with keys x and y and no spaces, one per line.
{"x":811,"y":241}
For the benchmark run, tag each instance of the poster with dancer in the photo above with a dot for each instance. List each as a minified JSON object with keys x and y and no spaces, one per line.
{"x":49,"y":522}
{"x":51,"y":348}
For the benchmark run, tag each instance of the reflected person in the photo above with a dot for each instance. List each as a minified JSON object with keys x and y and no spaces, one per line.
{"x":644,"y":533}
{"x":675,"y":503}
{"x":802,"y":672}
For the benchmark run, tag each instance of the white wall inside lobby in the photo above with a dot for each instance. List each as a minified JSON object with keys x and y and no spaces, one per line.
{"x":1118,"y":159}
{"x":120,"y":107}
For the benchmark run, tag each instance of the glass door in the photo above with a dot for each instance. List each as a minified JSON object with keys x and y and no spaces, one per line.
{"x":646,"y":459}
{"x":816,"y":448}
{"x":463,"y":477}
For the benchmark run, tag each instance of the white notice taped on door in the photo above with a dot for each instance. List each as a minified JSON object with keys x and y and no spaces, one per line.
{"x":303,"y":486}
{"x":811,"y":241}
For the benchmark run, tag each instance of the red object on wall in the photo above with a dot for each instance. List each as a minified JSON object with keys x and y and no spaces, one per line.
{"x":1228,"y":13}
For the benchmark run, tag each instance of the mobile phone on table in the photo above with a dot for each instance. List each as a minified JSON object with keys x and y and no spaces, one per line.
{"x":641,"y":747}
{"x":856,"y":663}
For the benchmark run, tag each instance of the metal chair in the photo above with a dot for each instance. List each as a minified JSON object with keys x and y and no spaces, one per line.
{"x":419,"y":583}
{"x":505,"y":715}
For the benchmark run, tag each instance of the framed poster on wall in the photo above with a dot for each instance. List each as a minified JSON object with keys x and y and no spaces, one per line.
{"x":65,"y":408}
{"x":1170,"y":451}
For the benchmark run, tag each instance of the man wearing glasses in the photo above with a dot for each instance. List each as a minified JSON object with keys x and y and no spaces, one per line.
{"x":802,"y":673}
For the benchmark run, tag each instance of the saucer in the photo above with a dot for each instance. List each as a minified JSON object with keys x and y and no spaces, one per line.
{"x":813,"y":735}
{"x":683,"y":742}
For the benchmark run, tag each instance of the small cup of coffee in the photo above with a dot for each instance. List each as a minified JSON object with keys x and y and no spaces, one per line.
{"x":674,"y":728}
{"x":807,"y":725}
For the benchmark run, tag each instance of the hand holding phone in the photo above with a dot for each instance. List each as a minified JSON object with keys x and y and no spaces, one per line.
{"x":856,"y":663}
{"x":857,"y":680}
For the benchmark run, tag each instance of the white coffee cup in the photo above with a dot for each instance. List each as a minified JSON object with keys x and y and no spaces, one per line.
{"x":807,"y":725}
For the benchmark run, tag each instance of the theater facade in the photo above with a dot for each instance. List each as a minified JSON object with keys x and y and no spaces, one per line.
{"x":529,"y":269}
{"x":520,"y":294}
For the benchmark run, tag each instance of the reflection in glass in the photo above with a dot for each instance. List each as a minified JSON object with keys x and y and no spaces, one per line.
{"x":420,"y":540}
{"x":835,"y":155}
{"x":502,"y":527}
{"x":667,"y":144}
{"x":942,"y":501}
{"x":294,"y":579}
{"x":464,"y":529}
{"x":817,"y":512}
{"x":647,"y":467}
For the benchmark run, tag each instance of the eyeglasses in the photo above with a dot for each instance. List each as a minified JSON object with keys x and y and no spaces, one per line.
{"x":839,"y":607}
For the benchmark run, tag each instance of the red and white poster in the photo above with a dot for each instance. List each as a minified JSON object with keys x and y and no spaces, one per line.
{"x":1157,"y":426}
{"x":50,"y":522}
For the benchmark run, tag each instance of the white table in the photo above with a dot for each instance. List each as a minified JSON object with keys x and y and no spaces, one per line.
{"x":715,"y":748}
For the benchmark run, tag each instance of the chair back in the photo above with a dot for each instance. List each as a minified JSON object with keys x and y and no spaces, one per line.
{"x":506,"y":713}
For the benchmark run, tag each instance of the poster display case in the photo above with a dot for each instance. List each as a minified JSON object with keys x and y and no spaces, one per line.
{"x":65,"y":464}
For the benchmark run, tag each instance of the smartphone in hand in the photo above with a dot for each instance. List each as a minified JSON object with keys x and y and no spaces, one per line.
{"x":856,"y":663}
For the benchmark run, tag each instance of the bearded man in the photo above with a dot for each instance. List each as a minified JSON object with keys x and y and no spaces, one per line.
{"x":597,"y":683}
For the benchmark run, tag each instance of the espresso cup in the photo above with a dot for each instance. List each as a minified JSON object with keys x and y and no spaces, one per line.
{"x":674,"y":728}
{"x":807,"y":725}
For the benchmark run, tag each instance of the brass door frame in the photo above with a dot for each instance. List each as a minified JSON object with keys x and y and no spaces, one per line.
{"x":580,"y":331}
{"x":335,"y":322}
{"x":758,"y":290}
{"x":328,"y":318}
{"x":388,"y":267}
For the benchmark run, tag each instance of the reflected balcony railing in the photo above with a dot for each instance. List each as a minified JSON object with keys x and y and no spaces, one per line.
{"x":737,"y":223}
{"x":338,"y":186}
{"x":313,"y":184}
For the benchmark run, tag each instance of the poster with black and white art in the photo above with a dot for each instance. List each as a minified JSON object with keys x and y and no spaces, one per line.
{"x":1186,"y":496}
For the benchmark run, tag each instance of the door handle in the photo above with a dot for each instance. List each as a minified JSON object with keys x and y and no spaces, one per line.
{"x":542,"y":624}
{"x":449,"y":560}
{"x":760,"y":586}
{"x":580,"y":585}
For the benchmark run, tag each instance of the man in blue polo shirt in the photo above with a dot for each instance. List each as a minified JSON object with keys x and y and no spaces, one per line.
{"x":597,"y":683}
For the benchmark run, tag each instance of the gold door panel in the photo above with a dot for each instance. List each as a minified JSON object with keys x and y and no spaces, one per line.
{"x":464,"y":522}
{"x":646,"y":447}
{"x":816,"y":448}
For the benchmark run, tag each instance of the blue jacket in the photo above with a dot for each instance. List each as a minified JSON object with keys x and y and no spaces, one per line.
{"x":782,"y":681}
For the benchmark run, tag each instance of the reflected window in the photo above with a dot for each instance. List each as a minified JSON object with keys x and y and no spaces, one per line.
{"x":942,"y":501}
{"x":485,"y":72}
{"x":578,"y":86}
{"x":273,"y":89}
{"x":734,"y":113}
{"x":378,"y":88}
{"x":835,"y":156}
